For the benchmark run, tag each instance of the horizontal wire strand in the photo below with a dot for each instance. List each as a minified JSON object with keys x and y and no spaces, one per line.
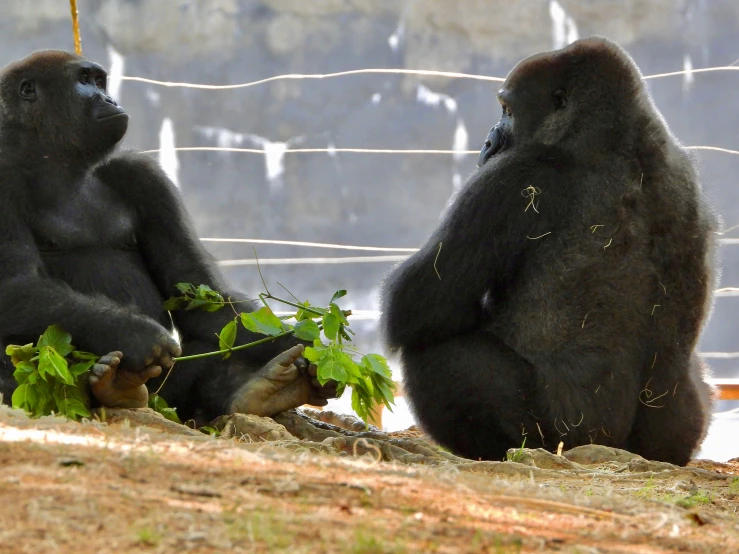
{"x":322,"y":261}
{"x":370,"y":150}
{"x":383,"y":71}
{"x":311,"y":244}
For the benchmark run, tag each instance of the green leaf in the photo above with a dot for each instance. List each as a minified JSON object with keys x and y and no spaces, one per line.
{"x":43,"y":403}
{"x":196,"y":303}
{"x":80,"y":368}
{"x":84,"y":356}
{"x":20,"y":353}
{"x":51,"y":363}
{"x":174,"y":303}
{"x":338,"y":294}
{"x":377,"y":364}
{"x":24,"y":372}
{"x":73,"y":409}
{"x":302,"y":313}
{"x":314,"y":353}
{"x":71,"y":402}
{"x":208,"y":430}
{"x":170,"y":414}
{"x":330,"y":326}
{"x":227,"y":337}
{"x":330,"y":366}
{"x":336,"y":311}
{"x":361,"y":403}
{"x":159,"y":405}
{"x":352,"y":368}
{"x":21,"y":398}
{"x":262,"y":321}
{"x":58,"y":339}
{"x":184,"y":288}
{"x":384,"y":393}
{"x":307,"y":329}
{"x":207,"y":299}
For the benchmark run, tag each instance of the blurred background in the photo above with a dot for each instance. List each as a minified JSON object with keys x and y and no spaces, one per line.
{"x":382,"y":200}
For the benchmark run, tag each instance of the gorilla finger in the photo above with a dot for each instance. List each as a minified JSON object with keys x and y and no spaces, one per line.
{"x":325,"y":392}
{"x":288,"y":357}
{"x":302,"y":364}
{"x":166,"y":361}
{"x":112,"y":359}
{"x":151,"y":372}
{"x":170,"y":346}
{"x":156,"y":351}
{"x":98,"y":370}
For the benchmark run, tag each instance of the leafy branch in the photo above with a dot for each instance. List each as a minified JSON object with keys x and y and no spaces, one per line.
{"x":326,"y":328}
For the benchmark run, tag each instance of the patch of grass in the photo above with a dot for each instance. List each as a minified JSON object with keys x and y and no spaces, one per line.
{"x":734,"y":486}
{"x":492,"y":542}
{"x":366,"y":543}
{"x":648,"y":490}
{"x":697,"y":498}
{"x":516,"y":456}
{"x":265,"y":529}
{"x":148,"y":537}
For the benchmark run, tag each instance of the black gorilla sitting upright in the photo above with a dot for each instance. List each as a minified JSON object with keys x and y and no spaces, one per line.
{"x":563,"y":294}
{"x":94,"y":243}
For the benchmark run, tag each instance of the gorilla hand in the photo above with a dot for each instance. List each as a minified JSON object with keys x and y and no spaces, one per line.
{"x":147,"y":346}
{"x":117,"y":388}
{"x":287,"y":381}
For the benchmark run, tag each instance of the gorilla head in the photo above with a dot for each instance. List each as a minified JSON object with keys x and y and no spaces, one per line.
{"x":56,"y":105}
{"x":573,"y":98}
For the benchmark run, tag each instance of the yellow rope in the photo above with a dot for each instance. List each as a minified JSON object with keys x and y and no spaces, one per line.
{"x":75,"y":27}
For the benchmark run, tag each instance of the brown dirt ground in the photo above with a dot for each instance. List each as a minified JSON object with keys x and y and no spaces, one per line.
{"x":93,"y":487}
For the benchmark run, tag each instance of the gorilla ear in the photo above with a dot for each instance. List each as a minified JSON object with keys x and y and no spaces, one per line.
{"x":27,"y":90}
{"x":560,"y":99}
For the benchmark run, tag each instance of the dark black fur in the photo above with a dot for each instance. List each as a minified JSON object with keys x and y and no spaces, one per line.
{"x":574,"y":318}
{"x":95,"y":242}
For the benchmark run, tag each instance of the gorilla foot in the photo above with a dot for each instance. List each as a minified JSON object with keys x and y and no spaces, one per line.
{"x":117,"y":388}
{"x":287,"y":381}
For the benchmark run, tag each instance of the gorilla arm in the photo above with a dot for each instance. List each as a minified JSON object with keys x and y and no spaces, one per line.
{"x":174,"y":254}
{"x":438,"y":292}
{"x":271,"y":378}
{"x":30,"y":301}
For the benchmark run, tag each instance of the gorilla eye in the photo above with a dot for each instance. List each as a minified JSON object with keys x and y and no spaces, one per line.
{"x":27,"y":90}
{"x":507,"y":111}
{"x":560,"y":99}
{"x":84,"y":76}
{"x":100,"y":82}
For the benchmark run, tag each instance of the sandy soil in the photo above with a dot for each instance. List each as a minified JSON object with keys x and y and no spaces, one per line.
{"x":137,"y":484}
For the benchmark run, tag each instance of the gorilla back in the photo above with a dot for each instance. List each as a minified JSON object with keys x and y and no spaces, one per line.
{"x":563,"y":293}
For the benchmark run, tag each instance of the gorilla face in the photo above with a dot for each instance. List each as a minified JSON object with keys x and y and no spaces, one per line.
{"x":572,"y":98}
{"x":531,"y":111}
{"x":60,"y":102}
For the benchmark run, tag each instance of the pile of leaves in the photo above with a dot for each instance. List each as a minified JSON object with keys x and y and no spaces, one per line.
{"x":51,"y":375}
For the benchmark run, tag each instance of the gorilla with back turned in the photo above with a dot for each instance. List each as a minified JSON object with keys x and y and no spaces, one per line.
{"x":562,"y":295}
{"x":95,"y":242}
